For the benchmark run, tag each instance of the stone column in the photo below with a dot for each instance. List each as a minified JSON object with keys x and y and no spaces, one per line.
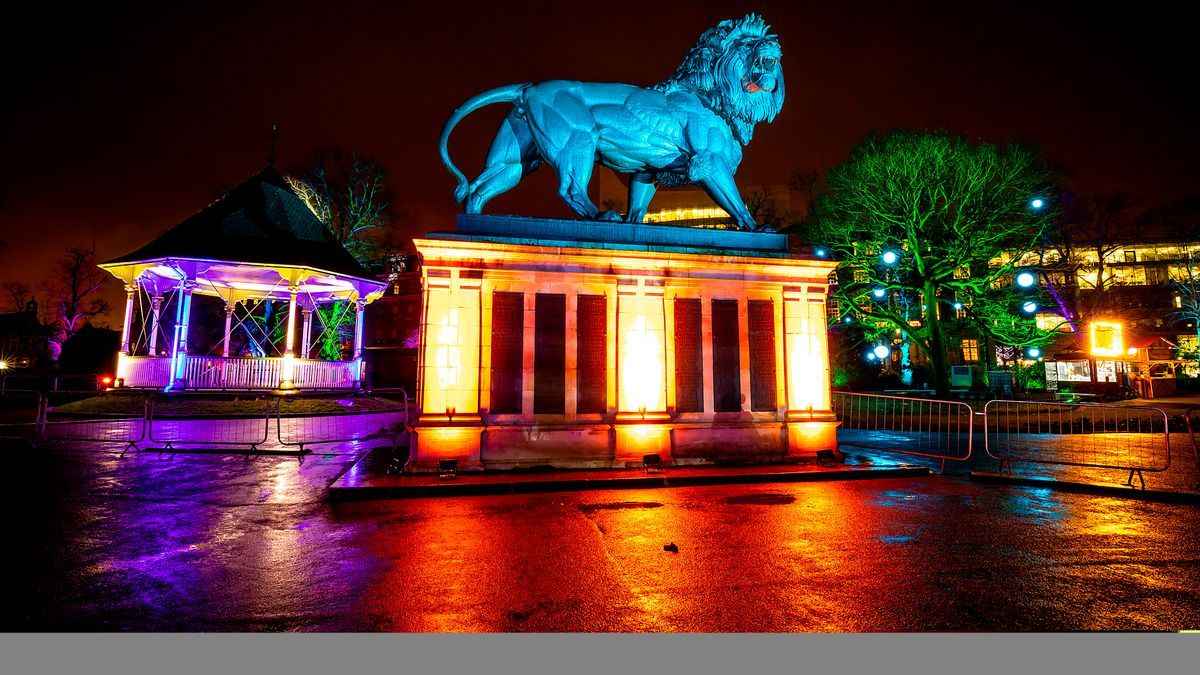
{"x":571,"y":354}
{"x":130,"y":291}
{"x":706,"y":355}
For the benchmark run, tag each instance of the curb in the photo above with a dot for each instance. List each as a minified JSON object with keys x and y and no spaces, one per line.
{"x":1162,"y":496}
{"x":339,"y":494}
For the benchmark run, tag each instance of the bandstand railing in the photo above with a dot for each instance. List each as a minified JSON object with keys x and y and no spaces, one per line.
{"x":217,"y":372}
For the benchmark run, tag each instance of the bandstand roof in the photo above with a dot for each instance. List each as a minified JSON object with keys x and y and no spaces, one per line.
{"x":254,"y":242}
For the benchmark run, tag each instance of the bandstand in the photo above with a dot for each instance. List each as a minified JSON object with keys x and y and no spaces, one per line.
{"x":282,"y":286}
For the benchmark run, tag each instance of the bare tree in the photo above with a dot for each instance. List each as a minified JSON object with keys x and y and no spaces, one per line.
{"x":1088,"y":233}
{"x":1186,"y":285}
{"x":19,"y":295}
{"x":73,"y":293}
{"x":350,"y":197}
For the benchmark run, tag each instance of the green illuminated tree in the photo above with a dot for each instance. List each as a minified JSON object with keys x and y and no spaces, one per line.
{"x":348,"y":193}
{"x":957,"y":216}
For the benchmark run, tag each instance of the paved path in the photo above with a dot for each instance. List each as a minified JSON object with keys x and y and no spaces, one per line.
{"x":225,"y":542}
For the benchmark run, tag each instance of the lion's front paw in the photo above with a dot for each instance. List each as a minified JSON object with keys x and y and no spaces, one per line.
{"x":610,"y":215}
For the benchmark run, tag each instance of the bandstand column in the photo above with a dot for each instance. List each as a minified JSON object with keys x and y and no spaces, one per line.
{"x":306,"y":334}
{"x":290,"y":338}
{"x":359,"y":315}
{"x":287,"y":379}
{"x":179,"y":347}
{"x":155,"y":315}
{"x":229,"y":305}
{"x":130,"y":290}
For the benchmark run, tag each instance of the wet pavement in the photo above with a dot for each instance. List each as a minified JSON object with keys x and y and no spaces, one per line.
{"x":231,"y":543}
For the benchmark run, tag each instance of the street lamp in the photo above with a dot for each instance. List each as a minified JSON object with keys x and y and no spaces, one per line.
{"x":881,"y":352}
{"x":1033,"y":352}
{"x":1026,"y":279}
{"x":821,"y":253}
{"x":889,"y":257}
{"x":1029,"y":307}
{"x":879,"y":292}
{"x":958,"y":306}
{"x":1037,"y":203}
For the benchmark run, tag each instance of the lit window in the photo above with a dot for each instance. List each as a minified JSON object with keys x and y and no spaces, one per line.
{"x":834,"y":309}
{"x":860,"y":276}
{"x":1178,"y":302}
{"x":1130,"y":256}
{"x":970,"y":350}
{"x":962,"y":272}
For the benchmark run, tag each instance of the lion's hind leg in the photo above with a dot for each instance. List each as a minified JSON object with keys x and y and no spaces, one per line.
{"x":512,"y":156}
{"x":575,"y":165}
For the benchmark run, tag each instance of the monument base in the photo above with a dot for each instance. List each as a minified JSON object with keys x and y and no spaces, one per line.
{"x":573,"y":344}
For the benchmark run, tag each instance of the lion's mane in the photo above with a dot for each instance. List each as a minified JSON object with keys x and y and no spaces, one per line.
{"x":715,"y":69}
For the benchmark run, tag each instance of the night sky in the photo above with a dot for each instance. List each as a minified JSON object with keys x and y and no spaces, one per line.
{"x":121,"y":121}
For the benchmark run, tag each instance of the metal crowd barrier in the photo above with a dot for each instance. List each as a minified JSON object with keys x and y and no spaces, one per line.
{"x":1192,"y":427}
{"x":921,"y":427}
{"x":1127,"y":438}
{"x":343,"y":426}
{"x":21,"y":414}
{"x":122,"y":427}
{"x":207,"y":428}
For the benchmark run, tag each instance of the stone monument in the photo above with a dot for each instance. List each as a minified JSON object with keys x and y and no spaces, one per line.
{"x":598,"y":344}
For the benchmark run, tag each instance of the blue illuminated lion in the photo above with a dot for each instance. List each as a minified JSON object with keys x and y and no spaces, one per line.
{"x":688,"y":129}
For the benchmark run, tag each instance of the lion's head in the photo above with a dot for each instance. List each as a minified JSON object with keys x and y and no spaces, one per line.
{"x":735,"y":68}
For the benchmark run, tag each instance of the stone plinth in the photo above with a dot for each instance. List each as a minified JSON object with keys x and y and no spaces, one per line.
{"x":578,"y":344}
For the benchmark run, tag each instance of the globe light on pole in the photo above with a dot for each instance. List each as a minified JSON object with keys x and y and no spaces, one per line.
{"x":820,"y":252}
{"x":958,"y":306}
{"x":1026,"y":279}
{"x":881,"y":352}
{"x":1037,"y":203}
{"x":1033,"y":352}
{"x":848,"y":319}
{"x":889,"y":257}
{"x":879,"y":292}
{"x":1029,"y":307}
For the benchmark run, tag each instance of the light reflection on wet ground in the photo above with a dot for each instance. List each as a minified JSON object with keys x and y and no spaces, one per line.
{"x":225,"y":542}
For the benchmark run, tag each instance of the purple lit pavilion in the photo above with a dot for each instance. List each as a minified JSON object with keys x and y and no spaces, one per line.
{"x":254,"y":249}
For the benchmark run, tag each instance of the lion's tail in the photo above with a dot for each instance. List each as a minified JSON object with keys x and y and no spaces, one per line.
{"x":507,"y":94}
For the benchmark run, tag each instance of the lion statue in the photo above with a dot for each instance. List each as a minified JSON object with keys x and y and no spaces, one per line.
{"x":688,"y":129}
